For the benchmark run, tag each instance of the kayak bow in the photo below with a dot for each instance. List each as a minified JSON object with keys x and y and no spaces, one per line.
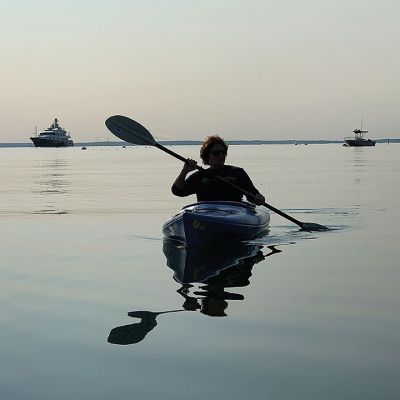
{"x":217,"y":222}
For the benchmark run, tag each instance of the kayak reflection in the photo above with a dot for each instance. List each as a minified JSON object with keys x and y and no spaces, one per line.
{"x":215,"y":269}
{"x":204,"y":275}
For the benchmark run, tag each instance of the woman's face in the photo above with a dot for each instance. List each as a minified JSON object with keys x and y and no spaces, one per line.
{"x":217,"y":156}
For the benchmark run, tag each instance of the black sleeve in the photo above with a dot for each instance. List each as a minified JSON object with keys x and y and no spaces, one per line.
{"x":247,"y":184}
{"x":189,"y":187}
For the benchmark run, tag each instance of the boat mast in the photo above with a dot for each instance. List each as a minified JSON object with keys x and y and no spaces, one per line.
{"x":359,"y":133}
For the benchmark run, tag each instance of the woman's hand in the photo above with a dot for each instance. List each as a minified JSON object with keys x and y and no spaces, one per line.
{"x":190,"y":165}
{"x":259,"y":199}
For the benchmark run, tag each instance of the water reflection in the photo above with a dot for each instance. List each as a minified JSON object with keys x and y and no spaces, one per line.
{"x":51,"y":182}
{"x":135,"y":333}
{"x":204,"y":276}
{"x":363,"y":158}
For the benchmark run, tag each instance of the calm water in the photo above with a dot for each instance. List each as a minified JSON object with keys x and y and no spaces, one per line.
{"x":316,"y":318}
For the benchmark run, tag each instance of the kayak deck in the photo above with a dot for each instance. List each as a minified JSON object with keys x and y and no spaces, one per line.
{"x":215,"y":222}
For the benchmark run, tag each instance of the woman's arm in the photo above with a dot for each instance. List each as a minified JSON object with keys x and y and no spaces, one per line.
{"x":186,"y":186}
{"x":257,"y":197}
{"x":190,"y":165}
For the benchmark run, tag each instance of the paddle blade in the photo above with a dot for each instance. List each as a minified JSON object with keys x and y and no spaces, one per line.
{"x":311,"y":226}
{"x":129,"y":130}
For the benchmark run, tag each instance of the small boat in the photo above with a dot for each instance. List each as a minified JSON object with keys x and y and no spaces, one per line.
{"x":212,"y":223}
{"x":54,"y":136}
{"x":358,"y":140}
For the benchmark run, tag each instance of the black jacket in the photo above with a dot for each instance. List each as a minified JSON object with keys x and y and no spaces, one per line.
{"x":207,"y":187}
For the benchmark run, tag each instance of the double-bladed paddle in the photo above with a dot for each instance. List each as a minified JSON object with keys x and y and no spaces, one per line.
{"x":132,"y":132}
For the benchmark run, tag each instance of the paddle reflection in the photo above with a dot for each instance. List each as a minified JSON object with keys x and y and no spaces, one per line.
{"x":204,"y":275}
{"x":135,"y":333}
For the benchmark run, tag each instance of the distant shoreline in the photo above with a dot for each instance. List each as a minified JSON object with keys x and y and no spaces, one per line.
{"x":198,"y":142}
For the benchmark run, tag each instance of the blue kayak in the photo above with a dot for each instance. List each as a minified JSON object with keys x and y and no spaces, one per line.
{"x":217,"y":222}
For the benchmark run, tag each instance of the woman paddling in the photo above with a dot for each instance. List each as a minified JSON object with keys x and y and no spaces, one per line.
{"x":206,"y":186}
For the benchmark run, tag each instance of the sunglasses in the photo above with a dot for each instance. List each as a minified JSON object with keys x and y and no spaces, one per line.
{"x":218,"y":152}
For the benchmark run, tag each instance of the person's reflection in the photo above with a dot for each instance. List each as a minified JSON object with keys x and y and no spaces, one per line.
{"x":212,"y":299}
{"x":204,"y":275}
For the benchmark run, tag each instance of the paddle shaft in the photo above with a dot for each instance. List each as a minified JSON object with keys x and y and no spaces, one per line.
{"x":244,"y":192}
{"x":132,"y":132}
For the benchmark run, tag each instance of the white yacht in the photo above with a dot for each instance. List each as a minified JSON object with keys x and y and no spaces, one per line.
{"x":54,"y":136}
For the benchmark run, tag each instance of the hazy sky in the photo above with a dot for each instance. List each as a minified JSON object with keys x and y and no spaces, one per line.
{"x":244,"y":69}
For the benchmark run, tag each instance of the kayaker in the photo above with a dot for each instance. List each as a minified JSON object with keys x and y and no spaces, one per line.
{"x":206,"y":186}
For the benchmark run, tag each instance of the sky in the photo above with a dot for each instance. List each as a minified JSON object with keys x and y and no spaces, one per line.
{"x":185,"y":69}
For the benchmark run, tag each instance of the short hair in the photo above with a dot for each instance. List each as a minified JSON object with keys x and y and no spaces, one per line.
{"x":208,"y":143}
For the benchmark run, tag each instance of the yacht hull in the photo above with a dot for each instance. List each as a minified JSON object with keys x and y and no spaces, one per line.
{"x":38,"y":142}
